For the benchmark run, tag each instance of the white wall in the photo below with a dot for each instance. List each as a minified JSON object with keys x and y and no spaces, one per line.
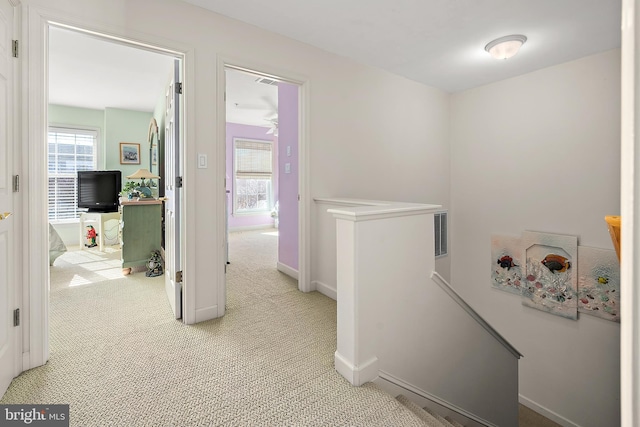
{"x":542,"y":152}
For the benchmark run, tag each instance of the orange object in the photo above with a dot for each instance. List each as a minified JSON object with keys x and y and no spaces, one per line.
{"x":614,"y":230}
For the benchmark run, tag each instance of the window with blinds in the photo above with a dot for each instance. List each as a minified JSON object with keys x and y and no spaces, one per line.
{"x":69,"y":151}
{"x":253,"y":175}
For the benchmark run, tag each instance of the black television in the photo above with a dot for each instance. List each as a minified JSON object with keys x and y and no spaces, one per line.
{"x":98,"y":191}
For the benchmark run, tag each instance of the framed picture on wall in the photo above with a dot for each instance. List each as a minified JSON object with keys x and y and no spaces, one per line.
{"x":129,"y":153}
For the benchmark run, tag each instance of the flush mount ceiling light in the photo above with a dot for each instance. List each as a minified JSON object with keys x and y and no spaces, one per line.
{"x":505,"y":47}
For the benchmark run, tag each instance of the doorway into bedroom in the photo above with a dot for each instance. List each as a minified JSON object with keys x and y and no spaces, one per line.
{"x":106,"y":117}
{"x":262,"y":178}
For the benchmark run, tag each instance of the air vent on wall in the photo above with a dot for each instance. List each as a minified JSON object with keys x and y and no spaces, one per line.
{"x":440,"y":225}
{"x":266,"y":81}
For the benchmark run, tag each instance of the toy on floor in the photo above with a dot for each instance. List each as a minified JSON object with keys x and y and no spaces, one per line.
{"x":154,"y":265}
{"x":91,"y":237}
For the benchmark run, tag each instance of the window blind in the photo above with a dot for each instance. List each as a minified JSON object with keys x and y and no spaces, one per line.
{"x":253,"y":160}
{"x":69,"y":150}
{"x":253,"y":173}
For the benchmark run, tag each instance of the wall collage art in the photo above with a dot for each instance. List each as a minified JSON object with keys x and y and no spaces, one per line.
{"x":553,"y":274}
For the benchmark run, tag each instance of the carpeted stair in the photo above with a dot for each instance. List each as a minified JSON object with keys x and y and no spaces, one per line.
{"x":428,"y":416}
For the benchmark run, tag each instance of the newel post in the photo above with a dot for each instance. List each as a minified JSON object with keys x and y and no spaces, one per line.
{"x":372,"y":243}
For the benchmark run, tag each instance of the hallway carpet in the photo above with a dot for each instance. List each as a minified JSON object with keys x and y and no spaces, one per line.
{"x":120,"y":359}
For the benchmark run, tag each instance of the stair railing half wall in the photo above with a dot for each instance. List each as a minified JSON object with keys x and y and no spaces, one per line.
{"x":396,"y":316}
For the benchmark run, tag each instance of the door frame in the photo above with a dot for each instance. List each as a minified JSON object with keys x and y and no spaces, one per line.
{"x":304,"y":205}
{"x":630,"y":212}
{"x":34,"y":95}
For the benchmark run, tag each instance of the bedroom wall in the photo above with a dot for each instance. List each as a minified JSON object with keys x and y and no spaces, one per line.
{"x":115,"y":126}
{"x":126,"y":126}
{"x":64,"y":115}
{"x":541,"y":152}
{"x":288,"y":130}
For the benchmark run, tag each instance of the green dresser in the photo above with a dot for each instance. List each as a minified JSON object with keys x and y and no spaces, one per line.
{"x":141,"y":232}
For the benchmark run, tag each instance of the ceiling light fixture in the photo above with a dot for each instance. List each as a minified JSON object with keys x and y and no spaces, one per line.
{"x":505,"y":47}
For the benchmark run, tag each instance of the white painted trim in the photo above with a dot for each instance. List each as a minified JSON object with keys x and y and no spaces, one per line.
{"x":16,"y":130}
{"x":35,"y":119}
{"x":630,"y":213}
{"x":291,"y":272}
{"x":546,"y":412}
{"x":357,"y":376}
{"x":367,"y":211}
{"x":188,"y":232}
{"x":396,"y":386}
{"x":445,"y":286}
{"x":206,"y":313}
{"x":220,"y":191}
{"x":26,"y":360}
{"x":251,"y":228}
{"x":325,"y":289}
{"x":304,"y":190}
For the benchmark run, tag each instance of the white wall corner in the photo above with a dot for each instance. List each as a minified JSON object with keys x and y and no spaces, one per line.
{"x":325,"y":289}
{"x":546,"y":412}
{"x":291,"y":272}
{"x":357,"y":376}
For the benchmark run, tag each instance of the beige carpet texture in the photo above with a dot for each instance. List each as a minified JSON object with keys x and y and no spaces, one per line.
{"x":118,"y":358}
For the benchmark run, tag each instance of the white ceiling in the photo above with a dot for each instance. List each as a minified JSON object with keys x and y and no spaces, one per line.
{"x":436,"y":42}
{"x":250,"y":102}
{"x":87,"y":71}
{"x":439,"y":42}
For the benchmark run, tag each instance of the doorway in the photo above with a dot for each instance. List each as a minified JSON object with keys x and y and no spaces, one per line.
{"x":106,"y":117}
{"x":262,"y":145}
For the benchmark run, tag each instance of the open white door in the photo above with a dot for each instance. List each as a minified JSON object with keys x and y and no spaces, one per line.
{"x":8,"y":332}
{"x":172,"y":192}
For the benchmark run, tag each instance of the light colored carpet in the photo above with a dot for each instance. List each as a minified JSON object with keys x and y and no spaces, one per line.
{"x":119,"y":359}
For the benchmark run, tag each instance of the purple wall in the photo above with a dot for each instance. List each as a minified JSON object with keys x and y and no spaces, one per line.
{"x":235,"y":130}
{"x":288,"y":182}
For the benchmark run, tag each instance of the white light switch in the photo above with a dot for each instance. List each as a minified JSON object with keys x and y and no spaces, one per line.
{"x":202,"y":161}
{"x":287,"y":168}
{"x":288,"y":151}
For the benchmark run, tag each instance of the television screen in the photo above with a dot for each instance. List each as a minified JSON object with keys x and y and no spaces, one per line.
{"x":98,"y":191}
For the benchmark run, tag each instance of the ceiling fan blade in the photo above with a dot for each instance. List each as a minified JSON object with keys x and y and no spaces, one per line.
{"x":271,"y":103}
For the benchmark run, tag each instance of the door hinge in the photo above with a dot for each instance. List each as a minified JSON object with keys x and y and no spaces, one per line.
{"x":179,"y":88}
{"x":16,"y":183}
{"x":298,"y":197}
{"x":14,"y":48}
{"x":178,"y":276}
{"x":16,"y":317}
{"x":179,"y":181}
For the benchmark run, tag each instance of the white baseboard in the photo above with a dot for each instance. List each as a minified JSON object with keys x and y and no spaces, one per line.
{"x":291,"y":272}
{"x":252,"y":227}
{"x":366,"y":372}
{"x":325,"y":289}
{"x":26,"y":361}
{"x":546,"y":412}
{"x":395,"y":386}
{"x":206,"y":313}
